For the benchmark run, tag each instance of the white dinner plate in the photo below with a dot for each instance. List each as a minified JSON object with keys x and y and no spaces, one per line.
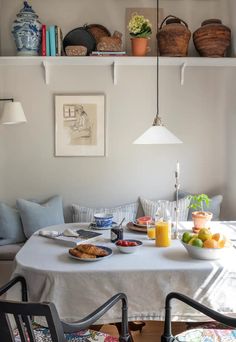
{"x":135,"y":223}
{"x":109,"y":251}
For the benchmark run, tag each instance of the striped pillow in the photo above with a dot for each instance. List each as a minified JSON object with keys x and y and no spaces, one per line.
{"x":86,"y":214}
{"x":150,"y":207}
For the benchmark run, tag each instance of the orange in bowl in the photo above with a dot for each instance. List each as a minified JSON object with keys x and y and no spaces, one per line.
{"x":210,"y":243}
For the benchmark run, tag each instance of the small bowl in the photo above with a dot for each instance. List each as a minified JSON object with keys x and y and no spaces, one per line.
{"x":129,"y":249}
{"x":103,"y":220}
{"x":205,"y":253}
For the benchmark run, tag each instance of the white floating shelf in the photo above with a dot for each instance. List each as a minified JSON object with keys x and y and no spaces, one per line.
{"x":116,"y":61}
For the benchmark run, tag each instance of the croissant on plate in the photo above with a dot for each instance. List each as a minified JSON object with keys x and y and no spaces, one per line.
{"x":91,"y":249}
{"x":78,"y":254}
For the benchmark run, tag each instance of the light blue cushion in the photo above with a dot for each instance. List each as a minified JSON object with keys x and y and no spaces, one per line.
{"x":11,"y":230}
{"x":214,"y":206}
{"x":35,"y":216}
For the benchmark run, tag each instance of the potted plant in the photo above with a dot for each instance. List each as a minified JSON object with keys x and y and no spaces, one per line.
{"x":201,"y":218}
{"x":140,"y":30}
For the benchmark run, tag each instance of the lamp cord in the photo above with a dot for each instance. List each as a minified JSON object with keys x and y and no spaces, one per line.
{"x":157,"y":61}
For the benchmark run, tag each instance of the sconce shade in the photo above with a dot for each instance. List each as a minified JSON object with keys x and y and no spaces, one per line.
{"x":157,"y":135}
{"x":13,"y":113}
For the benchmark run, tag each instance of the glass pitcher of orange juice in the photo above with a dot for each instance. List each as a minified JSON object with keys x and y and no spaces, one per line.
{"x":163,"y":228}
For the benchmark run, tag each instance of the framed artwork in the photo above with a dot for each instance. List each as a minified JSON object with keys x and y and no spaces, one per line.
{"x":151,"y":14}
{"x":80,"y":125}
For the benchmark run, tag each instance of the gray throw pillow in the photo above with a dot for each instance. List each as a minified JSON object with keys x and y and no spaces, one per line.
{"x":11,"y":230}
{"x":35,"y":216}
{"x":214,"y":206}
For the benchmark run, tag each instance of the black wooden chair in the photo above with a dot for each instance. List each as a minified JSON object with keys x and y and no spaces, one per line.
{"x":57,"y":331}
{"x":198,"y":334}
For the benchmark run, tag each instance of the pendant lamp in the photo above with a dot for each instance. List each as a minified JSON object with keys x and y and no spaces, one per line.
{"x":157,"y":133}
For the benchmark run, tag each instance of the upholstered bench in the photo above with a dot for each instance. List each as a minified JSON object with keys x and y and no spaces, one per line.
{"x":7,"y":256}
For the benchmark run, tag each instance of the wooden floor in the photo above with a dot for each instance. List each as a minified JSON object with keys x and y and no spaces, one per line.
{"x":150,"y":333}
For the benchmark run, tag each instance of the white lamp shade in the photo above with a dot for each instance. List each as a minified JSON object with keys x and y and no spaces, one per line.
{"x":157,"y":135}
{"x":12,"y":114}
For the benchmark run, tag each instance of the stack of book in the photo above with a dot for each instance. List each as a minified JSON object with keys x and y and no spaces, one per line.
{"x":51,"y":41}
{"x":108,"y":53}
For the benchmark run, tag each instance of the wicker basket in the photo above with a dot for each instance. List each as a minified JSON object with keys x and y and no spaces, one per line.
{"x":212,"y":39}
{"x":173,"y":38}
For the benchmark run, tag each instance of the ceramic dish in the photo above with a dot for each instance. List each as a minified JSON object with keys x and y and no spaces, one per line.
{"x":135,"y":223}
{"x":94,"y":226}
{"x":206,"y":253}
{"x":109,"y":251}
{"x":129,"y":249}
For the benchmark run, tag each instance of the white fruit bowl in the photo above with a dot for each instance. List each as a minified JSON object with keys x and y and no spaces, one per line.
{"x":129,"y":249}
{"x":205,"y":253}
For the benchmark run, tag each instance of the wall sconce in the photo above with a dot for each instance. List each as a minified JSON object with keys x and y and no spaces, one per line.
{"x":13,"y":113}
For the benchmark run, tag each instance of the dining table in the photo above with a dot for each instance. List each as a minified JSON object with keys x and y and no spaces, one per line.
{"x":78,"y":287}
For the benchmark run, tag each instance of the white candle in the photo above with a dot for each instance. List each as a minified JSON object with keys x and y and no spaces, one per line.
{"x":177,"y":167}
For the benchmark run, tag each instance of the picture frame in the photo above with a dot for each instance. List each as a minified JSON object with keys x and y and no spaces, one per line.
{"x":80,"y":125}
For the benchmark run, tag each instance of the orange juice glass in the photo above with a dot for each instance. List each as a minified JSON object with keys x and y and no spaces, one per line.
{"x":163,"y":234}
{"x":151,"y":232}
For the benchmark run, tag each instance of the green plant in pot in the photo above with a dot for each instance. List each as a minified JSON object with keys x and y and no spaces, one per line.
{"x":201,"y":218}
{"x":140,"y":30}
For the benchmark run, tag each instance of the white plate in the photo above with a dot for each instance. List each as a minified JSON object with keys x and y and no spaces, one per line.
{"x":109,"y":251}
{"x":135,"y":223}
{"x":93,"y":226}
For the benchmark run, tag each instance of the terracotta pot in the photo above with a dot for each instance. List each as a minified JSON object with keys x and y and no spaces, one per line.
{"x":139,"y":46}
{"x":201,"y":219}
{"x":212,"y":39}
{"x":173,"y":38}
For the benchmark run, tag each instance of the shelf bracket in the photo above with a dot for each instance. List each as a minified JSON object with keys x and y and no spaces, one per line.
{"x":182,"y":73}
{"x":114,"y":72}
{"x":46,"y":71}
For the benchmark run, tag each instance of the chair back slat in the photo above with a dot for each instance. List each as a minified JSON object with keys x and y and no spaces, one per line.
{"x":6,"y":334}
{"x":21,"y":328}
{"x":29,"y":328}
{"x":22,"y":313}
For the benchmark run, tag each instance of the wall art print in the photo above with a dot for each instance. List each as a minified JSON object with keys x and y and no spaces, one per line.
{"x":80,"y":125}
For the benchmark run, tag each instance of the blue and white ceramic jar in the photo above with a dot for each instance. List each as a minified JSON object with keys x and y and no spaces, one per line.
{"x":26,"y":30}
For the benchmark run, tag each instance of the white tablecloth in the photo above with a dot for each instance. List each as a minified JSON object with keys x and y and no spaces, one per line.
{"x":77,"y":288}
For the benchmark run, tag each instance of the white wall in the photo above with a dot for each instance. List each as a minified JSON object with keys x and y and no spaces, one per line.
{"x":196,"y":113}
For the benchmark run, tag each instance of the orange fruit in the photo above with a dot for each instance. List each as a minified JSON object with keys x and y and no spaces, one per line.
{"x":210,"y":243}
{"x":220,"y":238}
{"x":221,"y":243}
{"x":217,"y":236}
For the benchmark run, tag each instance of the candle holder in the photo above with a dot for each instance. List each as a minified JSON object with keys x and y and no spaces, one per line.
{"x":177,"y":187}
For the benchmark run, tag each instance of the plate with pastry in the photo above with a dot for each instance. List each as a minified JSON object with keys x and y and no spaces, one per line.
{"x":89,"y":252}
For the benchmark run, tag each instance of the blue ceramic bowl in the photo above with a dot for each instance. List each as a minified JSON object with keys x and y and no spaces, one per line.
{"x":103,"y":220}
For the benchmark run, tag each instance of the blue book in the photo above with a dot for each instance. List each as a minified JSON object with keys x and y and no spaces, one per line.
{"x":47,"y":44}
{"x":52,"y":39}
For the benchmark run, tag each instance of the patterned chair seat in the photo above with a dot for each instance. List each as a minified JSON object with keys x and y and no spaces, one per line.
{"x":207,"y":335}
{"x":43,"y":335}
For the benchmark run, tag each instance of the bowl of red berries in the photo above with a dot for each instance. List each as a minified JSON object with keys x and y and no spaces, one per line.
{"x":128,"y":246}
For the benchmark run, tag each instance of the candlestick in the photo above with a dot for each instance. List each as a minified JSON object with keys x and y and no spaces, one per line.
{"x":177,"y":167}
{"x":177,"y":186}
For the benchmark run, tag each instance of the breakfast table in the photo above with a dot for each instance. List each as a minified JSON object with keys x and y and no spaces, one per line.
{"x":146,"y":276}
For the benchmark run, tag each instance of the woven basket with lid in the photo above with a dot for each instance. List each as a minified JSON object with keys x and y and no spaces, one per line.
{"x":212,"y":39}
{"x":173,"y":37}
